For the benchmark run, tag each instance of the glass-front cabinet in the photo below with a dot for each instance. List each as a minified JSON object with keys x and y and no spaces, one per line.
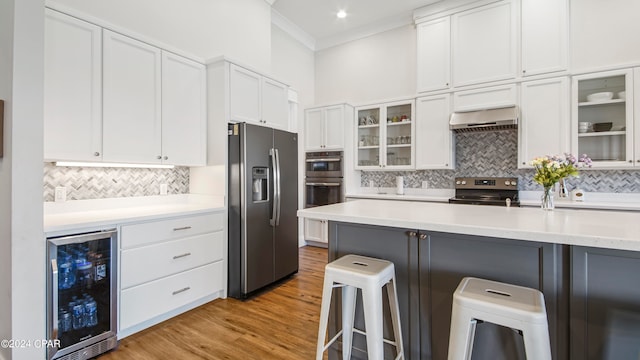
{"x":602,"y":125}
{"x":385,"y":136}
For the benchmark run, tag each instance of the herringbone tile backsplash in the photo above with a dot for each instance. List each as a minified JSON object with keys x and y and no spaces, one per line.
{"x":495,"y":153}
{"x":96,"y":183}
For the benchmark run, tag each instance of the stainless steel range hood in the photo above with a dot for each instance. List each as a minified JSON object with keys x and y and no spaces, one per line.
{"x":485,"y":120}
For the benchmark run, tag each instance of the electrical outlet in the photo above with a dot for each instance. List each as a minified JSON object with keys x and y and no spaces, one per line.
{"x":163,"y":189}
{"x":371,"y":183}
{"x":425,"y":184}
{"x":60,"y":194}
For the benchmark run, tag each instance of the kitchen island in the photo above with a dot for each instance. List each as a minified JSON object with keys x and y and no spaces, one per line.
{"x":585,"y":262}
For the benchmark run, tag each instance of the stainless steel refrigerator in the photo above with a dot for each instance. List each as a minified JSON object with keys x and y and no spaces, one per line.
{"x":263,"y":201}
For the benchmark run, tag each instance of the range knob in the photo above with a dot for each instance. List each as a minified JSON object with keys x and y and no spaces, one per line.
{"x":464,"y":182}
{"x":457,"y":182}
{"x":514,"y":183}
{"x":507,"y":182}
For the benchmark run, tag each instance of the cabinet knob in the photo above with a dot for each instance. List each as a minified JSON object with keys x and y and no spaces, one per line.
{"x":446,"y":164}
{"x":630,"y":161}
{"x":447,"y":84}
{"x":159,"y":157}
{"x":524,"y":163}
{"x":638,"y":161}
{"x":166,"y":157}
{"x":524,"y":71}
{"x":422,"y":236}
{"x":96,"y":154}
{"x":412,"y":233}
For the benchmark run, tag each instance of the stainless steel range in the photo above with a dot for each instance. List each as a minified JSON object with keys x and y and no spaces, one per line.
{"x":497,"y":191}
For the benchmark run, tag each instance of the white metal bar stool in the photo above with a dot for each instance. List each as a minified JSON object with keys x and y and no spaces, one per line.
{"x":508,"y":305}
{"x":352,"y":272}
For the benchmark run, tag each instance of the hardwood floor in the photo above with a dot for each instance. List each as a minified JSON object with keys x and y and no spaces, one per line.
{"x":281,"y":323}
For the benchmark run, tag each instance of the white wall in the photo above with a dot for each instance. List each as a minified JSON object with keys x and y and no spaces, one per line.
{"x":604,"y":33}
{"x":378,"y":67}
{"x":239,"y":29}
{"x":22,"y":279}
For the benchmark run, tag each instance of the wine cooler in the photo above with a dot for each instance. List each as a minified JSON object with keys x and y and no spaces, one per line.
{"x":81,"y":295}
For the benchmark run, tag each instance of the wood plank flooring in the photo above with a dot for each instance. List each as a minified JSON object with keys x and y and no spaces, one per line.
{"x":281,"y":323}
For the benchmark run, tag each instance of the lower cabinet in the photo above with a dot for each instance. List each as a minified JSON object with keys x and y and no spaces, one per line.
{"x":605,"y":304}
{"x":169,"y":266}
{"x":315,"y":230}
{"x":429,"y":267}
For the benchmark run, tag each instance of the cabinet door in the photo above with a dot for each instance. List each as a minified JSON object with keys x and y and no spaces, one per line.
{"x":72,"y":89}
{"x":132,"y":101}
{"x":606,"y":147}
{"x":485,"y":98}
{"x":315,"y":230}
{"x":434,"y":55}
{"x":483,"y":43}
{"x":544,"y":125}
{"x":183,"y":111}
{"x":447,"y":258}
{"x":635,"y":97}
{"x":544,"y":36}
{"x":334,"y":128}
{"x":434,"y":145}
{"x":398,"y":140}
{"x":369,"y":137}
{"x":275,"y":104}
{"x":314,"y":129}
{"x":245,"y":95}
{"x":605,"y":304}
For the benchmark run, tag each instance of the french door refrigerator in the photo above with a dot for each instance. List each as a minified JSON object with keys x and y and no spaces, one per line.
{"x":263,"y":201}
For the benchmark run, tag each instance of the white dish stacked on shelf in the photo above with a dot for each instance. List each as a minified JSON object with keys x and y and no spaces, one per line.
{"x":585,"y":126}
{"x":600,"y":96}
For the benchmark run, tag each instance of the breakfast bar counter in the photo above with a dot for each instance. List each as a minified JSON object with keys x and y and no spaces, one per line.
{"x":585,"y":262}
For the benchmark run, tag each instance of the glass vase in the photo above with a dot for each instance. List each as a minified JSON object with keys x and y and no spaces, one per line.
{"x":547,"y":199}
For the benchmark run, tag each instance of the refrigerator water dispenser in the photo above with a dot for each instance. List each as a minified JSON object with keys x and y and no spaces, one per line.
{"x":260,"y":180}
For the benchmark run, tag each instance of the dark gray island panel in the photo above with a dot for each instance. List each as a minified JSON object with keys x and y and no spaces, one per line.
{"x":605,"y":304}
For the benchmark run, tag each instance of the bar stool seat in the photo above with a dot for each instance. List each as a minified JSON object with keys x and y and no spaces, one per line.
{"x":503,"y":304}
{"x":352,"y":272}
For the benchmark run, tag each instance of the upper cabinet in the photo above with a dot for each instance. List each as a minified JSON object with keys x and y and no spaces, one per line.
{"x":602,"y":125}
{"x":131,"y":100}
{"x":72,"y":89}
{"x":184,"y":111}
{"x":434,"y":140}
{"x":484,"y":44}
{"x":385,"y":136}
{"x":112,"y":98}
{"x":257,"y":99}
{"x":324,"y":128}
{"x":544,"y":122}
{"x":545,"y":32}
{"x":434,"y":55}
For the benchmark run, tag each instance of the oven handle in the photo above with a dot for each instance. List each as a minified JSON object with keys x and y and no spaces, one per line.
{"x":324,"y":160}
{"x":322,"y":184}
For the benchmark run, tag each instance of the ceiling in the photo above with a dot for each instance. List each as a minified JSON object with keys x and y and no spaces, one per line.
{"x":317,"y":18}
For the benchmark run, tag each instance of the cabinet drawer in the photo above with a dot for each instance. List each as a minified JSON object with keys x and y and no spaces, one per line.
{"x":152,"y":262}
{"x":485,"y":98}
{"x":168,"y":229}
{"x":144,"y":302}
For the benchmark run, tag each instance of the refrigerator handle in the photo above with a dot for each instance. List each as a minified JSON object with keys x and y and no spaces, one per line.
{"x":54,"y":282}
{"x":274,"y":212}
{"x":277,"y":184}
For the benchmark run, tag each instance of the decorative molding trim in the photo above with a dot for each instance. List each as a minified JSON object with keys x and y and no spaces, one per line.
{"x":292,"y":29}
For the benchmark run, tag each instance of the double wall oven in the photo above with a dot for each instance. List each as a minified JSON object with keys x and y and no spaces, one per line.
{"x":323,"y":178}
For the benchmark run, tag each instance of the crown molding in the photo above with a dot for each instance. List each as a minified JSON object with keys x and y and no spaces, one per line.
{"x":292,"y":29}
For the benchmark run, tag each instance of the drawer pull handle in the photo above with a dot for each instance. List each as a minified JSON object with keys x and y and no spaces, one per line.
{"x":181,"y":256}
{"x":181,"y":290}
{"x":182,"y":228}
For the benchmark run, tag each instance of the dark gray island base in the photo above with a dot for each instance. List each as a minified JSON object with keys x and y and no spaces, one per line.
{"x":592,"y":295}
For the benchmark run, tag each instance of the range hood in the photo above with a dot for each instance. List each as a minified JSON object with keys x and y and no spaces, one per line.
{"x":485,"y":120}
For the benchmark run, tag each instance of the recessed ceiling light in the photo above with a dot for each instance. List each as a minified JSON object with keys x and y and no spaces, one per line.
{"x":341,"y":14}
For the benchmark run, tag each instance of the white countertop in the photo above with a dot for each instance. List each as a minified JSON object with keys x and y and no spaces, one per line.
{"x":410,"y":194}
{"x":74,"y":215}
{"x":604,"y":229}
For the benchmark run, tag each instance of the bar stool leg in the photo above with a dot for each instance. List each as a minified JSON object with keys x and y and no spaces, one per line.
{"x":348,"y":314}
{"x":461,"y":334}
{"x":324,"y":315}
{"x":395,"y":317}
{"x":373,"y":317}
{"x":536,"y":342}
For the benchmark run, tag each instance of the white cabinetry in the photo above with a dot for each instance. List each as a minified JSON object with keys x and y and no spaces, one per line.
{"x":636,"y":100}
{"x":544,"y":123}
{"x":257,"y":99}
{"x":485,"y":98}
{"x":544,"y":36}
{"x":325,"y":127}
{"x":483,"y":44}
{"x":184,"y":111}
{"x":131,"y":100}
{"x":434,"y":55}
{"x":316,"y":230}
{"x":608,"y":147}
{"x":170,"y":266}
{"x":72,"y":89}
{"x":434,"y":140}
{"x":385,"y":136}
